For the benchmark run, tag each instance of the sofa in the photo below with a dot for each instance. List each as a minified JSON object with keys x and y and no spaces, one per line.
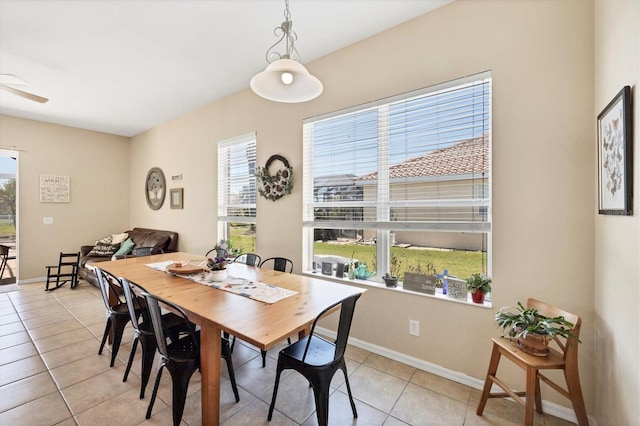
{"x":167,"y":241}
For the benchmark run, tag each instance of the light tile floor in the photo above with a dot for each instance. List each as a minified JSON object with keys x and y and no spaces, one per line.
{"x":51,"y":374}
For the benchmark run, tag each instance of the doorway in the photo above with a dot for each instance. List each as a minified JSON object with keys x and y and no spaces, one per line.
{"x":8,"y":217}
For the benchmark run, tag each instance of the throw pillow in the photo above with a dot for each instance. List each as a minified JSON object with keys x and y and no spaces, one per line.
{"x":119,"y":238}
{"x":125,"y":248}
{"x":103,"y":250}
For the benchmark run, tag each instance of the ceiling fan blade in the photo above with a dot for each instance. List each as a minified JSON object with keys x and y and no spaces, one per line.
{"x":26,"y":95}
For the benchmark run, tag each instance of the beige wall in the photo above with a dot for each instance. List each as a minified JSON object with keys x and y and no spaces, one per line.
{"x":98,"y":167}
{"x":617,"y":238}
{"x":541,"y":57}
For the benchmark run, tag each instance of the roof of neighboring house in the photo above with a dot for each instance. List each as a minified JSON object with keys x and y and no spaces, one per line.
{"x":464,"y":157}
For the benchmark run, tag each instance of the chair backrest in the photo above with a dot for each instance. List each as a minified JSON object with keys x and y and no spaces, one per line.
{"x":568,"y":346}
{"x":109,"y":287}
{"x":4,"y":256}
{"x":344,"y":326}
{"x":132,"y":294}
{"x":218,"y":252}
{"x":155,"y":305}
{"x":144,"y":251}
{"x":250,"y":259}
{"x":279,"y":264}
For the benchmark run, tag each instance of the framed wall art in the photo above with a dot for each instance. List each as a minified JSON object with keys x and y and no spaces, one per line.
{"x":615,"y":156}
{"x":176,"y":195}
{"x":54,"y":189}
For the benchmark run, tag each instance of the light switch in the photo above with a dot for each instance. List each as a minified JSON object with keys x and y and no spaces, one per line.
{"x":48,"y":221}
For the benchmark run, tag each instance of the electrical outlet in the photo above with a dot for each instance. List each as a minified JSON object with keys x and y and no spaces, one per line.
{"x":414,"y":328}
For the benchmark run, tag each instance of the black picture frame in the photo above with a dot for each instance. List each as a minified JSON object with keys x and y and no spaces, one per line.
{"x":327,"y":268}
{"x":615,"y":156}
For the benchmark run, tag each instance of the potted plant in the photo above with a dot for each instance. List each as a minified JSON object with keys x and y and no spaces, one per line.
{"x":218,"y":268}
{"x":390,"y":280}
{"x":532,"y":330}
{"x":478,"y":285}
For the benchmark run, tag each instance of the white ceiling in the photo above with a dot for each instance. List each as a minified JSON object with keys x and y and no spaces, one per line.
{"x":123,"y":67}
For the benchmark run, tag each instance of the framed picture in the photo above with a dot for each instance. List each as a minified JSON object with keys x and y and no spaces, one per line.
{"x":176,"y":198}
{"x":327,"y":268}
{"x":615,"y":162}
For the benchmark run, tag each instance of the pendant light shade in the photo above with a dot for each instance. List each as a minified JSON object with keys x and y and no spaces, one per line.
{"x":285,"y":79}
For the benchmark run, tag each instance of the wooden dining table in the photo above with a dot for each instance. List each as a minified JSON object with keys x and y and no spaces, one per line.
{"x":261,"y":324}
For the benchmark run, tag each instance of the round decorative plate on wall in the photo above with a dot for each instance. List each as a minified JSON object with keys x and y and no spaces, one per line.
{"x":155,"y":188}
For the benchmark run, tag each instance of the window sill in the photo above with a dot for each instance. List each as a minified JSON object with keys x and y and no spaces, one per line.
{"x":373,"y":284}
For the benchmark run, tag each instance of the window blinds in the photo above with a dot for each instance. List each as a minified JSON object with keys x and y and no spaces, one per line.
{"x":237,"y":179}
{"x":415,"y":161}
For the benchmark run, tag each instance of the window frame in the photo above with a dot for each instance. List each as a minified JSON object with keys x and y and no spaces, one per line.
{"x":383,"y":204}
{"x":224,"y":182}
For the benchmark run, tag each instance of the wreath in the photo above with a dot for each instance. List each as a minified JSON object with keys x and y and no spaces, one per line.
{"x":278,"y":185}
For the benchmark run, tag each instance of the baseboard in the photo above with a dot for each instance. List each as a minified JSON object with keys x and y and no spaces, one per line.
{"x":33,"y":280}
{"x":473,"y":382}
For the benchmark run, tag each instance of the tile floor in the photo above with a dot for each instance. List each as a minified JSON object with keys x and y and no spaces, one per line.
{"x":50,"y":374}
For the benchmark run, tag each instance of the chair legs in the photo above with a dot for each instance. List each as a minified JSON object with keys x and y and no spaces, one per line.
{"x":148,"y":343}
{"x":232,"y":376}
{"x":575,"y":390}
{"x":118,"y":322}
{"x":321,"y":390}
{"x":181,"y":373}
{"x":491,"y":374}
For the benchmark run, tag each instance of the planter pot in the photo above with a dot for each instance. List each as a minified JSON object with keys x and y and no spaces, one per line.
{"x":218,"y":275}
{"x":534,"y":344}
{"x":391,"y":282}
{"x":477,"y":297}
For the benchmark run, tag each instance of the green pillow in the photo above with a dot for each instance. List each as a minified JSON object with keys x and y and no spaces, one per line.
{"x":125,"y":248}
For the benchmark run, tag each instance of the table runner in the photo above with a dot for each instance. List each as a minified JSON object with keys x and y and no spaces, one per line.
{"x":256,"y":290}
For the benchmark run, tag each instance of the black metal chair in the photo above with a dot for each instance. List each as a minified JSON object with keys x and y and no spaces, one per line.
{"x":250,"y":259}
{"x":317,"y":360}
{"x":279,"y":264}
{"x":66,"y":269}
{"x":4,"y":260}
{"x":117,"y":311}
{"x":144,"y":251}
{"x":218,"y":252}
{"x":181,"y":357}
{"x":137,"y":306}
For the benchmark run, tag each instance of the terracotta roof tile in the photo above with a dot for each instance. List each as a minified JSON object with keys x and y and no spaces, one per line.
{"x":464,"y":157}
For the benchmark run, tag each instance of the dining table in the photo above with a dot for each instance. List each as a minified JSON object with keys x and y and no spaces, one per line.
{"x":215,"y":310}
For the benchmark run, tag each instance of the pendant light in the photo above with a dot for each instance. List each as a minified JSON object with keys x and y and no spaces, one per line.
{"x":285,"y":79}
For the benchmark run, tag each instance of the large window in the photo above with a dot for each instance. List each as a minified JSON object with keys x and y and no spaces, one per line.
{"x":237,"y":191}
{"x":402,"y":184}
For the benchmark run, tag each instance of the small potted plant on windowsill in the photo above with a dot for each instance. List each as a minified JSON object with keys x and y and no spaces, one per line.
{"x":532,"y":330}
{"x":390,"y":280}
{"x":478,"y":285}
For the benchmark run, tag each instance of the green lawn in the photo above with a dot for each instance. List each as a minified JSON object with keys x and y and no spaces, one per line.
{"x":7,"y":229}
{"x":459,"y":263}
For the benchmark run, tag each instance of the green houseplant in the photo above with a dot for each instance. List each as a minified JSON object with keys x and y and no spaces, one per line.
{"x":532,"y":330}
{"x":478,"y":285}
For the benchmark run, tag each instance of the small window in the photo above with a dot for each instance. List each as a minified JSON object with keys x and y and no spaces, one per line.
{"x":237,"y":191}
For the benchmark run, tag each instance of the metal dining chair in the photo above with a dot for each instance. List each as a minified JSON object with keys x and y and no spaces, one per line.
{"x":181,"y":357}
{"x":117,"y":311}
{"x":279,"y":264}
{"x":250,"y":259}
{"x":318,"y":359}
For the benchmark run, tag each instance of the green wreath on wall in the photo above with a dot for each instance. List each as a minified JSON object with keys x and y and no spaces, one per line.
{"x":273,"y":187}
